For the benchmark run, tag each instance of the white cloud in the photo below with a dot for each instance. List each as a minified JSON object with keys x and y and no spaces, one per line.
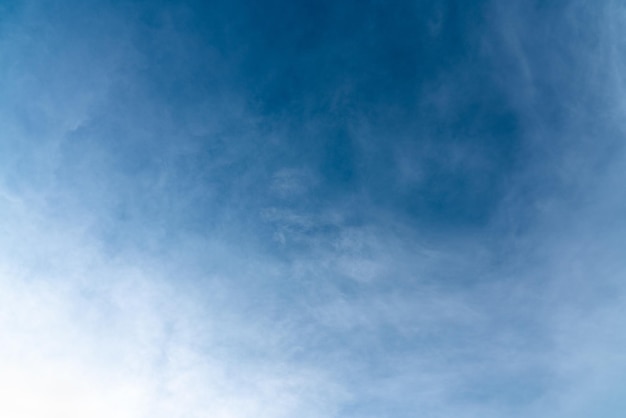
{"x":86,"y":334}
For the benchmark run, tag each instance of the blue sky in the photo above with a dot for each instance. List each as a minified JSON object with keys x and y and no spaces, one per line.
{"x":312,"y":209}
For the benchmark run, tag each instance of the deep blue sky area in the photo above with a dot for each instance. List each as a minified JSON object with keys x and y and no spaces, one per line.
{"x":350,"y":87}
{"x":312,"y":208}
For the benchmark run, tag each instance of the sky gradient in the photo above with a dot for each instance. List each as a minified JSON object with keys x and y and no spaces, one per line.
{"x":372,"y":209}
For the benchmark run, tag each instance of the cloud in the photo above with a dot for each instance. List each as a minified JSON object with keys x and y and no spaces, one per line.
{"x":86,"y":333}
